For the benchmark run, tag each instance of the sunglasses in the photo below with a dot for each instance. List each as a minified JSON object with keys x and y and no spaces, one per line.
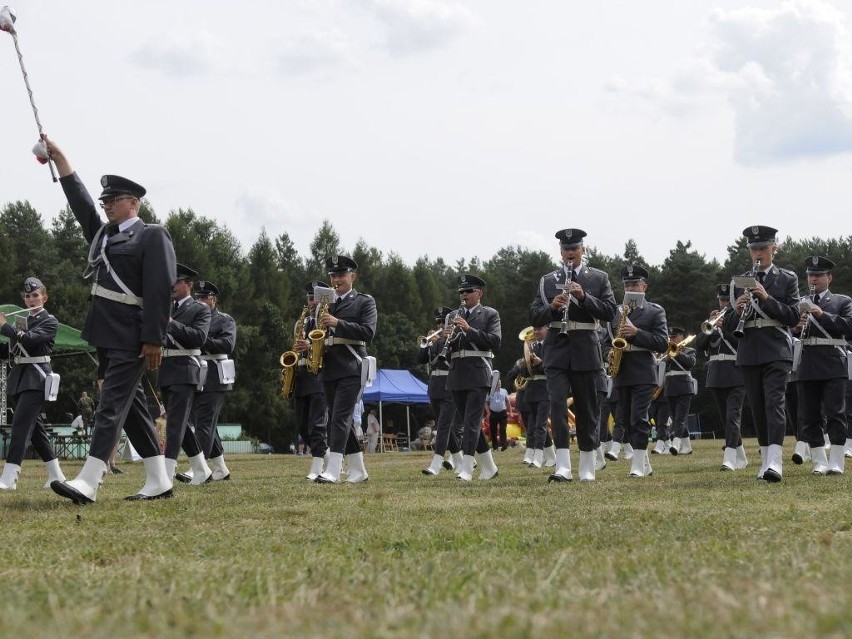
{"x":107,"y":201}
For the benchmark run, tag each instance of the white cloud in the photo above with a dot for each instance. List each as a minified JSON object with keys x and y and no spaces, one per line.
{"x":188,"y":53}
{"x":263,"y":207}
{"x":314,"y":50}
{"x":414,"y":26}
{"x":786,"y":72}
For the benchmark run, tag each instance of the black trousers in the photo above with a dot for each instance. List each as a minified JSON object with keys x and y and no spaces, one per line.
{"x":208,"y":407}
{"x":765,"y":386}
{"x":497,"y":424}
{"x":660,"y":411}
{"x":449,"y":429}
{"x":123,"y":405}
{"x":609,"y":406}
{"x":633,"y":404}
{"x":469,"y":405}
{"x":582,"y":384}
{"x":178,"y":399}
{"x":312,"y":418}
{"x":340,"y":396}
{"x":537,"y":433}
{"x":729,"y":403}
{"x":679,"y":409}
{"x":27,"y":425}
{"x":823,"y":400}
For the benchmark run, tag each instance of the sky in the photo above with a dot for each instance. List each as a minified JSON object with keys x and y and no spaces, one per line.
{"x":447,"y":128}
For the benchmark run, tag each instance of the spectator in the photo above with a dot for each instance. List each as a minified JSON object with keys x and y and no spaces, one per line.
{"x":87,"y":409}
{"x":373,"y":430}
{"x":425,"y":437}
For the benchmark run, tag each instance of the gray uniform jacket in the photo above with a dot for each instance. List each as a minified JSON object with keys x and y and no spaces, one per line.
{"x":580,"y":350}
{"x":770,"y":343}
{"x":429,"y":355}
{"x":484,"y":334}
{"x":357,"y":317}
{"x":680,"y":384}
{"x":826,"y":361}
{"x":640,"y":366}
{"x":38,"y":341}
{"x":221,"y":340}
{"x":144,"y":258}
{"x":188,"y":330}
{"x":722,"y":369}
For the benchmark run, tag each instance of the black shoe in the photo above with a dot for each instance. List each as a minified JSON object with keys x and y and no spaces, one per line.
{"x":797,"y":459}
{"x":610,"y":456}
{"x":771,"y":476}
{"x":557,"y":478}
{"x":447,"y":464}
{"x":225,"y":478}
{"x":115,"y":470}
{"x":184,"y":478}
{"x":65,"y":490}
{"x":140,"y":497}
{"x":504,"y":447}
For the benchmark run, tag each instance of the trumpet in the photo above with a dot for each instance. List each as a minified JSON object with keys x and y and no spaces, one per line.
{"x":711,"y":324}
{"x":675,"y":349}
{"x":425,"y":340}
{"x":739,"y":331}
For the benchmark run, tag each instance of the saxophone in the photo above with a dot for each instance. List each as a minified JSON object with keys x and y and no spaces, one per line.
{"x":289,"y":358}
{"x":618,"y":342}
{"x":317,"y":340}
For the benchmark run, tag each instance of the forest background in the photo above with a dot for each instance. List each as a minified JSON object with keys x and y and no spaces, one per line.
{"x":263,"y":289}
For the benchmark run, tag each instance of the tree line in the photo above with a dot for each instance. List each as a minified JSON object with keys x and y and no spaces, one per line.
{"x":263,"y":289}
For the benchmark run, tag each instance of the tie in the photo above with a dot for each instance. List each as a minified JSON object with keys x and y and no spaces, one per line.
{"x":175,"y":306}
{"x":112,"y":229}
{"x":760,"y":277}
{"x":816,"y":298}
{"x":467,"y":314}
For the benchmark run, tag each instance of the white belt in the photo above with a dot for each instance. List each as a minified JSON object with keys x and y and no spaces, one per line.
{"x":537,"y":377}
{"x":181,"y":352}
{"x":216,"y":357}
{"x":115,"y":296}
{"x":631,"y":347}
{"x":762,"y":323}
{"x":723,"y":357}
{"x":464,"y":353}
{"x":333,"y":341}
{"x":576,"y":326}
{"x":440,"y":373}
{"x":40,"y":359}
{"x":673,"y":373}
{"x":823,"y":341}
{"x":302,"y":362}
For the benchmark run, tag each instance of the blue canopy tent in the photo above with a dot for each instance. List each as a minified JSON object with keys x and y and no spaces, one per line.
{"x":396,"y":387}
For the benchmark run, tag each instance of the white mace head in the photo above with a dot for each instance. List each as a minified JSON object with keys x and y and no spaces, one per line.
{"x":7,"y":19}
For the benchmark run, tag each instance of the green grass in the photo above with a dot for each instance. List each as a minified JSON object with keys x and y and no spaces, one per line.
{"x":690,"y":552}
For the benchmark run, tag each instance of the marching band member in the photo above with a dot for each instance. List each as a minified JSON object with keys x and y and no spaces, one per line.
{"x":474,"y":337}
{"x":30,"y":344}
{"x":763,"y":316}
{"x":448,"y":425}
{"x":180,"y":375}
{"x":822,"y":372}
{"x":132,"y":266}
{"x":350,"y":323}
{"x":520,"y":379}
{"x":644,"y":329}
{"x":724,"y":378}
{"x":538,"y":402}
{"x":308,"y":395}
{"x":571,"y":302}
{"x":679,"y":388}
{"x":660,"y":412}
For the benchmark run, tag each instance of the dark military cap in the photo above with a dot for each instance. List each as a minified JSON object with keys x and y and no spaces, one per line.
{"x":570,"y":238}
{"x":760,"y":236}
{"x":185,"y":273}
{"x":633,"y":273}
{"x":310,"y":286}
{"x":340,"y":264}
{"x":674,"y":331}
{"x":116,"y":185}
{"x":441,"y":313}
{"x":468,"y":281}
{"x":32,"y":284}
{"x":205,"y":288}
{"x":817,"y":264}
{"x":723,"y":291}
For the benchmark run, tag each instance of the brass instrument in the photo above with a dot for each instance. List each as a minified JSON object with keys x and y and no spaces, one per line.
{"x":710,"y":325}
{"x":526,"y":336}
{"x":425,"y":340}
{"x":289,"y":358}
{"x":618,"y":342}
{"x":739,"y":331}
{"x":675,"y":349}
{"x":317,"y":339}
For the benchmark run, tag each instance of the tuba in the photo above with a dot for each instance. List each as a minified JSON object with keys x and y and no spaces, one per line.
{"x":618,"y":342}
{"x":526,"y":336}
{"x":289,"y":358}
{"x":317,"y":339}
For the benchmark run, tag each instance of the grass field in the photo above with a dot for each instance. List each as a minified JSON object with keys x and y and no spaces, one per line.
{"x":689,"y":552}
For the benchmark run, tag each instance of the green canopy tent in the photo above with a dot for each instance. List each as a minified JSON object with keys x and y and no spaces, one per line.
{"x":68,"y":342}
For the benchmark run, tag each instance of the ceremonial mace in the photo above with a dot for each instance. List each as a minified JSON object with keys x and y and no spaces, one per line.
{"x":7,"y":23}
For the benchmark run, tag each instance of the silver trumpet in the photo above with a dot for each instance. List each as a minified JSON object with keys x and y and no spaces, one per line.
{"x":710,"y":325}
{"x":425,"y":340}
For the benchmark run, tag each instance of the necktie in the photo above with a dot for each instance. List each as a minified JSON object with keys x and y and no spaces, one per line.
{"x":467,"y":314}
{"x":175,"y":306}
{"x":112,"y":229}
{"x":760,"y":277}
{"x":816,"y":298}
